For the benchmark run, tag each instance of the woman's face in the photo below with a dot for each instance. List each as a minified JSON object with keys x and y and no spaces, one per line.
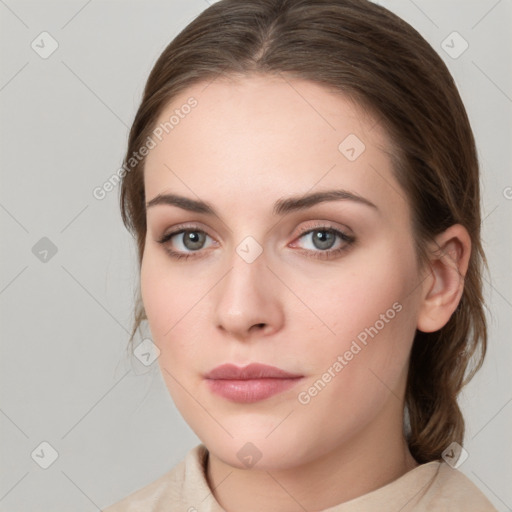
{"x":324,"y":290}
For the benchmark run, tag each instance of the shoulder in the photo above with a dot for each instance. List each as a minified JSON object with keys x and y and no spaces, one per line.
{"x":452,"y":490}
{"x":427,"y":487}
{"x":166,"y":490}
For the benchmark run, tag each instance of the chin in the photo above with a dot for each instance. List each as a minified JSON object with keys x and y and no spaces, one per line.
{"x":256,"y":449}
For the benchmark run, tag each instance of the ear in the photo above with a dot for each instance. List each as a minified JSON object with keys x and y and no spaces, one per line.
{"x":443,"y":287}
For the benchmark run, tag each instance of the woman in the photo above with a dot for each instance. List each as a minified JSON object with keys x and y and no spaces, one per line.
{"x":302,"y":182}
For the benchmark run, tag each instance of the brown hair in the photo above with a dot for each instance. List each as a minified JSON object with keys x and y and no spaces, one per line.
{"x":367,"y":53}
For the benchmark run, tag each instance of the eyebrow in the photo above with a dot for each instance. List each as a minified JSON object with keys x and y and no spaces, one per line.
{"x":282,"y":206}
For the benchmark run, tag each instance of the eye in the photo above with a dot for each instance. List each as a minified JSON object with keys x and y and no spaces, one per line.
{"x":182,"y":240}
{"x":322,"y":239}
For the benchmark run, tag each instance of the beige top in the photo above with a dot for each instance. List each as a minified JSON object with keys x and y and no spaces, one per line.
{"x":434,"y":486}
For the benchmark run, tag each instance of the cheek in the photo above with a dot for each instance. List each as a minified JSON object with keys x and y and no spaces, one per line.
{"x":155,"y":297}
{"x":369,"y":307}
{"x":363,"y":364}
{"x":373,"y":301}
{"x":172,"y":300}
{"x":167,"y":292}
{"x":163,"y":305}
{"x":379,"y":279}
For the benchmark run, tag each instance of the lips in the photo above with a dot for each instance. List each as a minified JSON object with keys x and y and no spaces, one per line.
{"x":252,"y":371}
{"x":250,"y":383}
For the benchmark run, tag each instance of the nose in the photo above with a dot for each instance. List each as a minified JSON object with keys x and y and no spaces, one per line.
{"x":248,"y":300}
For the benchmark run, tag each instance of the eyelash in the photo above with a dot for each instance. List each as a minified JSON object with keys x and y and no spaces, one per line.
{"x":322,"y":255}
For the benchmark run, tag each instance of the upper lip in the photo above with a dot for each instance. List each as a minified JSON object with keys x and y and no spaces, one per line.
{"x":251,"y":371}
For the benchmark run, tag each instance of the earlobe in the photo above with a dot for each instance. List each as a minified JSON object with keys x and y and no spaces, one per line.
{"x":442,"y":291}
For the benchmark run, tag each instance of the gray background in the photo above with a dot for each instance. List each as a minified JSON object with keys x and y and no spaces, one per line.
{"x":65,"y":376}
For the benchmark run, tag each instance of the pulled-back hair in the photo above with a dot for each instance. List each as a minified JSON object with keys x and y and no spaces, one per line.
{"x":366,"y":53}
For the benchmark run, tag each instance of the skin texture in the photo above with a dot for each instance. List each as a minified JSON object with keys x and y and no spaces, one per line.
{"x":246,"y":144}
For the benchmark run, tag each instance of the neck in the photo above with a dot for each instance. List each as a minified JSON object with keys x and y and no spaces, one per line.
{"x":368,"y":461}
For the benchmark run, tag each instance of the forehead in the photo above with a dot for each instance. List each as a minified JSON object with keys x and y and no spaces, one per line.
{"x":263,"y":136}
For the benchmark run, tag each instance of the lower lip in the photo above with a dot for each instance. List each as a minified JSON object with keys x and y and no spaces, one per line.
{"x":250,"y":390}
